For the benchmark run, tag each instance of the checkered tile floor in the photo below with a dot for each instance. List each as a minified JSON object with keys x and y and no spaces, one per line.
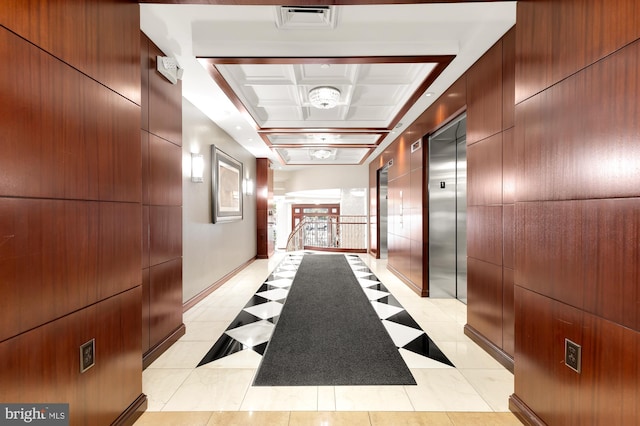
{"x":252,"y":328}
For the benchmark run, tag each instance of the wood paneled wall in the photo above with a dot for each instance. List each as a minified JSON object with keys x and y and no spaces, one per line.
{"x":162,"y":206}
{"x":264,"y":209}
{"x":577,"y":211}
{"x":490,"y":203}
{"x":408,"y":240}
{"x":70,"y":207}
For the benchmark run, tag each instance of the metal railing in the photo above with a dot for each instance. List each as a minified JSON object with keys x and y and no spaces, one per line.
{"x":331,"y":232}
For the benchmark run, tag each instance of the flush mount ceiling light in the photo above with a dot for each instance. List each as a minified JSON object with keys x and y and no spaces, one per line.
{"x":324,"y":97}
{"x":321,"y":154}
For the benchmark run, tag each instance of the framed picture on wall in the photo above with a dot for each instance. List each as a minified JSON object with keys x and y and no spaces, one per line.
{"x":226,"y":187}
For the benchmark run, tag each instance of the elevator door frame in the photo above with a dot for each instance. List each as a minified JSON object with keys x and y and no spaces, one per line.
{"x":446,"y":248}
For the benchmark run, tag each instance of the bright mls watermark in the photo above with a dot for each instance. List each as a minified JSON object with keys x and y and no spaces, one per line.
{"x":34,"y":414}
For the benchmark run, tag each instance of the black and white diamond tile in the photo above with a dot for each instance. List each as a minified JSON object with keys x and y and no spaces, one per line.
{"x":404,"y":331}
{"x":252,"y":328}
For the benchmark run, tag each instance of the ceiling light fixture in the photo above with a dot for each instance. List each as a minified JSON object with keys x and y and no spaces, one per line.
{"x":321,"y":154}
{"x":324,"y":97}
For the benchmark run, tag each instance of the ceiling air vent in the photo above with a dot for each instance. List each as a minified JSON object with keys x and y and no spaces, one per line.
{"x":306,"y":17}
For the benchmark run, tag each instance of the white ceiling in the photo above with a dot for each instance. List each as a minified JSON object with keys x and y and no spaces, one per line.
{"x":274,"y":96}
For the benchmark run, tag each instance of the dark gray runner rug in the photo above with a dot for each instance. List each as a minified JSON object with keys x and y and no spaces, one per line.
{"x":328,"y":334}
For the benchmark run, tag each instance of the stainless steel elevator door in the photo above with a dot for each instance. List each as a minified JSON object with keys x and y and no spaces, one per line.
{"x":383,"y":191}
{"x":447,"y":212}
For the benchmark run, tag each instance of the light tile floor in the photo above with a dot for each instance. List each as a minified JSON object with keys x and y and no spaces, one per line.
{"x":172,"y":383}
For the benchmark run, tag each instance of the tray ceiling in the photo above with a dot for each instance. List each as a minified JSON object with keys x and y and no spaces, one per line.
{"x":374,"y":94}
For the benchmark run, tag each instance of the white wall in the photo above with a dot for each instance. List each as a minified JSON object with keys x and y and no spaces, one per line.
{"x":327,"y":177}
{"x":210,"y":251}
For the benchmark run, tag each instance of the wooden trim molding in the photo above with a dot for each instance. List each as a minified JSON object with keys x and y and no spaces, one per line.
{"x":422,"y":292}
{"x":207,"y":291}
{"x":155,"y":352}
{"x":496,"y":352}
{"x":523,"y":412}
{"x":133,"y":412}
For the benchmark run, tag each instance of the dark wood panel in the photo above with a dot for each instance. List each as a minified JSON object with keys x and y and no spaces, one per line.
{"x":484,"y":299}
{"x":165,"y":172}
{"x":416,"y":275}
{"x":165,"y":102}
{"x":508,"y":166}
{"x":399,"y":255}
{"x":165,"y":299}
{"x":585,"y":31}
{"x":581,"y":134}
{"x":610,"y":386}
{"x":484,"y":171}
{"x":99,"y":38}
{"x":165,"y":233}
{"x":484,"y":233}
{"x":612,"y":259}
{"x":73,"y":252}
{"x":415,"y":189}
{"x":81,"y":146}
{"x":549,"y":251}
{"x":508,"y":235}
{"x":144,"y":142}
{"x":534,"y":43}
{"x":51,"y":373}
{"x":449,"y":105}
{"x":534,"y":380}
{"x":508,"y":78}
{"x":399,"y":218}
{"x":607,"y":388}
{"x":508,"y":312}
{"x":146,"y":238}
{"x":145,"y":69}
{"x":484,"y":95}
{"x":146,"y":314}
{"x":416,"y":156}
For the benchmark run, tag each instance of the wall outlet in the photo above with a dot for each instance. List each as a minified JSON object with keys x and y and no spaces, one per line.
{"x":87,"y":355}
{"x":572,"y":355}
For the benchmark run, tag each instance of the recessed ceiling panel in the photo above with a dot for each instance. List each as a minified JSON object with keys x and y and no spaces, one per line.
{"x":275,"y":91}
{"x":308,"y":156}
{"x":324,"y":139}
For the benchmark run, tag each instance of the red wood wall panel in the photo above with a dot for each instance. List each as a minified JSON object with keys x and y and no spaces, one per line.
{"x":576,"y":212}
{"x":165,"y":233}
{"x":97,"y":37}
{"x":508,"y":236}
{"x":508,"y":166}
{"x":484,"y":234}
{"x":43,"y":366}
{"x":73,"y":252}
{"x":484,"y":171}
{"x":165,"y":102}
{"x":508,"y":312}
{"x":484,"y":95}
{"x":549,"y":253}
{"x":165,"y":172}
{"x":162,"y":204}
{"x":508,"y":78}
{"x":146,"y":306}
{"x":533,"y":48}
{"x":65,"y":135}
{"x":484,"y":299}
{"x":165,"y":299}
{"x":581,"y":134}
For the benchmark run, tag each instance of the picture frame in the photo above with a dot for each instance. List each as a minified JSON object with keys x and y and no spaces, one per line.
{"x":226,"y":187}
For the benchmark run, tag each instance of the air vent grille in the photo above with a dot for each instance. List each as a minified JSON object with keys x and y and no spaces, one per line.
{"x":306,"y":17}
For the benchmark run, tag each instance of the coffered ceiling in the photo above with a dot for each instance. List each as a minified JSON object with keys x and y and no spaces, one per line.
{"x":251,"y":69}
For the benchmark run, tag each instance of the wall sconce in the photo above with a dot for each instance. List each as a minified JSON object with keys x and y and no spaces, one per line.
{"x":197,"y":168}
{"x":247,"y":186}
